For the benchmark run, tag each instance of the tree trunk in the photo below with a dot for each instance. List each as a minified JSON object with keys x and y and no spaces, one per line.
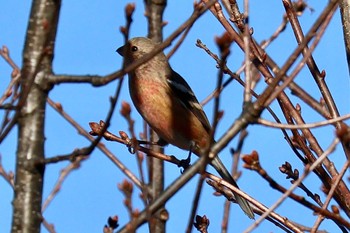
{"x":30,"y":166}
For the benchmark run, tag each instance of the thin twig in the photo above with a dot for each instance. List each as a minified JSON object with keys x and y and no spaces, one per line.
{"x":8,"y":176}
{"x":318,"y":76}
{"x":320,"y":218}
{"x":166,"y":195}
{"x":258,"y":207}
{"x":252,"y":162}
{"x":247,"y":63}
{"x":302,"y":126}
{"x":308,"y":169}
{"x":195,"y":202}
{"x":63,"y":175}
{"x":100,"y":146}
{"x":49,"y":227}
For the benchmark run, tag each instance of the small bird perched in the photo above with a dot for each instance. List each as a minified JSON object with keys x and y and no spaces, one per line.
{"x":167,"y":103}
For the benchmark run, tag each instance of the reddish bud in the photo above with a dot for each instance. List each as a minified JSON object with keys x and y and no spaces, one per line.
{"x":224,"y":41}
{"x":95,"y":128}
{"x":220,"y":115}
{"x":123,"y":135}
{"x":251,"y":161}
{"x":122,"y":30}
{"x":129,"y":9}
{"x":58,"y":106}
{"x":255,"y":155}
{"x":5,"y":51}
{"x":136,"y":213}
{"x":126,"y":187}
{"x":102,"y":123}
{"x":15,"y":73}
{"x":343,"y":133}
{"x":335,"y":209}
{"x":125,"y":109}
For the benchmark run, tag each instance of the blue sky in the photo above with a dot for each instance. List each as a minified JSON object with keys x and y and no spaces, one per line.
{"x":87,"y":38}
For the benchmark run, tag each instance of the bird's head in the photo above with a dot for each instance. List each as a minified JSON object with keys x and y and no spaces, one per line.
{"x":136,"y":48}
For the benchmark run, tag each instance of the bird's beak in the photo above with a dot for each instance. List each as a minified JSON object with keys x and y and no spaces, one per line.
{"x":121,"y":51}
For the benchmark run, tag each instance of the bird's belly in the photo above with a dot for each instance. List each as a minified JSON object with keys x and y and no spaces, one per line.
{"x":165,"y":116}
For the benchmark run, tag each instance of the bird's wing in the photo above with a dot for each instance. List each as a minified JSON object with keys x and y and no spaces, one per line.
{"x":184,"y":93}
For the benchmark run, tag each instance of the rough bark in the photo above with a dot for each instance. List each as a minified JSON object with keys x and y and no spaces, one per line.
{"x":37,"y":59}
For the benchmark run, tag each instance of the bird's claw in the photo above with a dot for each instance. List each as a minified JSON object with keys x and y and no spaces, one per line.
{"x":185,"y":163}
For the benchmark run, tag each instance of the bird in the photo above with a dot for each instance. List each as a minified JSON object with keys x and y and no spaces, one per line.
{"x":167,"y":103}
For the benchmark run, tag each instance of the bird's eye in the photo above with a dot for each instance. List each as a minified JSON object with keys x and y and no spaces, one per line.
{"x":134,"y":48}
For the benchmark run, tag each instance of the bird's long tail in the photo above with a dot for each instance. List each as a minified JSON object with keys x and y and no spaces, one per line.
{"x":221,"y":169}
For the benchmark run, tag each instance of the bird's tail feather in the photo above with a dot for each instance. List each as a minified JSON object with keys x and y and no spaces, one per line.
{"x":221,"y":169}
